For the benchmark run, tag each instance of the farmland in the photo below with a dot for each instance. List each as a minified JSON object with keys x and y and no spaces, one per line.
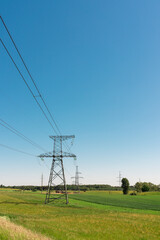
{"x":143,"y":201}
{"x":90,"y":215}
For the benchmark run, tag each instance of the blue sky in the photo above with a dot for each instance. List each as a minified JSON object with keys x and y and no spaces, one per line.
{"x":96,"y":64}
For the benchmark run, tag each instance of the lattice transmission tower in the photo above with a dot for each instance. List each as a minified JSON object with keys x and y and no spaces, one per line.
{"x":57,"y":176}
{"x":76,"y":178}
{"x":120,"y":179}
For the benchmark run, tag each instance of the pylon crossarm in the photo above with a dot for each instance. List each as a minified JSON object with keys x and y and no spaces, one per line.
{"x":63,"y":155}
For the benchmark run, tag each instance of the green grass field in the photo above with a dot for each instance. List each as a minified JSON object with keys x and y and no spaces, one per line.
{"x":144,"y":202}
{"x":90,"y":215}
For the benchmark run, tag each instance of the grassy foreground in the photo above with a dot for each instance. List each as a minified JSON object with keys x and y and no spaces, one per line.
{"x":91,"y":215}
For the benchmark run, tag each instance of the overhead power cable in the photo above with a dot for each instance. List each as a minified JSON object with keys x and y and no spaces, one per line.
{"x":19,"y":134}
{"x":39,"y":94}
{"x":16,"y":150}
{"x":27,"y":85}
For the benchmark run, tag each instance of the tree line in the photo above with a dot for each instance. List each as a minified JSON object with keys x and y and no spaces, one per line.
{"x":138,"y":187}
{"x":88,"y":187}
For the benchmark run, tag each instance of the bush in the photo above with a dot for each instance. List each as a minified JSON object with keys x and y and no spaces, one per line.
{"x":133,"y":193}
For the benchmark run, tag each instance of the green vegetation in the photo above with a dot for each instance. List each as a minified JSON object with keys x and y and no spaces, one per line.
{"x":143,"y":202}
{"x":89,"y":187}
{"x":125,"y":185}
{"x":9,"y":230}
{"x":90,"y":215}
{"x":146,"y":186}
{"x":138,"y":187}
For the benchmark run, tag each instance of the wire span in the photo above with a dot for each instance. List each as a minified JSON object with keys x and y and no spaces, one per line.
{"x":57,"y":131}
{"x":39,"y":94}
{"x":19,"y":134}
{"x":27,"y":85}
{"x":16,"y":150}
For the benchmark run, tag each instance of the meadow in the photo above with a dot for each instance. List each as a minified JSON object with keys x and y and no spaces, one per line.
{"x":89,"y":215}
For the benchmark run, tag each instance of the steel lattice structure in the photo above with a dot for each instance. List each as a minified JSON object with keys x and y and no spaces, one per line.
{"x":76,"y":178}
{"x":57,"y":176}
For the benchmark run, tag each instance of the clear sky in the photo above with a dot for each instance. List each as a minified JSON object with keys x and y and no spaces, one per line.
{"x":96,"y":64}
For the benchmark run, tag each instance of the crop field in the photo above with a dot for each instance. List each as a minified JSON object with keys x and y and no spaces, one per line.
{"x":89,"y":215}
{"x":145,"y":201}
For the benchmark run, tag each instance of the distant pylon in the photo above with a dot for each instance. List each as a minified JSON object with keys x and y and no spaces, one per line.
{"x":57,"y":177}
{"x":77,"y":177}
{"x":119,"y":178}
{"x":42,"y":183}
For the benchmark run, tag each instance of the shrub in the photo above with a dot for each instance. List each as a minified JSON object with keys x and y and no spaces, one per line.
{"x":133,"y":193}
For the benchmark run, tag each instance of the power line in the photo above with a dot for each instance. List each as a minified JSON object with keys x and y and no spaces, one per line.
{"x":27,"y":85}
{"x":44,"y":108}
{"x":39,"y":94}
{"x":19,"y":134}
{"x":16,"y":150}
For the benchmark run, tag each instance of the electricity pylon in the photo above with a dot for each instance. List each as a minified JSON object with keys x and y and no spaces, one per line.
{"x":57,"y":177}
{"x":77,"y":177}
{"x":119,"y":178}
{"x":42,"y":183}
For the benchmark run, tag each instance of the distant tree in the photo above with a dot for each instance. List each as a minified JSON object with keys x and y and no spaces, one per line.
{"x":152,"y":187}
{"x":125,"y":185}
{"x":138,"y":186}
{"x":145,"y":187}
